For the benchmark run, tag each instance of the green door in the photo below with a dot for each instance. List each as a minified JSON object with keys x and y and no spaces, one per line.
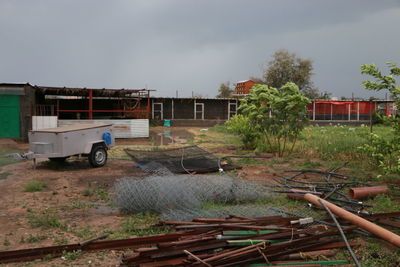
{"x":9,"y":116}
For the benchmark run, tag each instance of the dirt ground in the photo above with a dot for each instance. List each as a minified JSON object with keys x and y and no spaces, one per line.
{"x":80,"y":197}
{"x":67,"y":194}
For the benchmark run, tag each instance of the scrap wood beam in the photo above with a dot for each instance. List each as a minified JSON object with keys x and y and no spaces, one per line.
{"x":38,"y":253}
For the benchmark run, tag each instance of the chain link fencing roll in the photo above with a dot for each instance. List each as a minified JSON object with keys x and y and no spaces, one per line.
{"x":165,"y":193}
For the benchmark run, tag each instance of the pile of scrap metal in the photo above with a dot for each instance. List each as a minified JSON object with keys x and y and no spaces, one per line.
{"x":236,"y":241}
{"x":239,"y":241}
{"x":328,"y":185}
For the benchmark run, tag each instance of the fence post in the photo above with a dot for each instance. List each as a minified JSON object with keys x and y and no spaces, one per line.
{"x":313,"y":111}
{"x":349,"y":111}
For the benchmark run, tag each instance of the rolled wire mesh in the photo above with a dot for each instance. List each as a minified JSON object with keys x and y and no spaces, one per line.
{"x":188,"y":193}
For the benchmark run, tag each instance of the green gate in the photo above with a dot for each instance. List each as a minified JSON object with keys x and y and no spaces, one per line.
{"x":9,"y":116}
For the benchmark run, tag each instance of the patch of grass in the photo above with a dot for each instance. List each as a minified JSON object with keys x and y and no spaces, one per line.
{"x":60,"y":241}
{"x":70,"y":256}
{"x":4,"y":175}
{"x":46,"y":219}
{"x":102,"y":195}
{"x":384,"y":203}
{"x":337,"y":142}
{"x":373,"y":255}
{"x":142,"y":224}
{"x":77,"y":205}
{"x":84,"y":233}
{"x":8,"y":160}
{"x":309,"y":164}
{"x":34,"y":186}
{"x":88,"y":192}
{"x":32,"y":239}
{"x":6,"y":242}
{"x":249,"y":161}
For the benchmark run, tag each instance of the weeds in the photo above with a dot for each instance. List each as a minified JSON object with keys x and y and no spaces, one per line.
{"x":32,"y":239}
{"x":46,"y":219}
{"x":373,"y":255}
{"x":84,"y":233}
{"x":60,"y":240}
{"x":384,"y":203}
{"x":87,"y":193}
{"x":69,"y":256}
{"x":141,"y":224}
{"x":102,"y":194}
{"x":77,"y":205}
{"x":6,"y":242}
{"x":34,"y":186}
{"x":4,"y":175}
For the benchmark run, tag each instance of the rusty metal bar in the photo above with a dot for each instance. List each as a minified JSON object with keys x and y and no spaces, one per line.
{"x":38,"y":253}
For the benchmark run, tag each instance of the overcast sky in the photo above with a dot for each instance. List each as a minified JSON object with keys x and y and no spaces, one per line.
{"x":192,"y":45}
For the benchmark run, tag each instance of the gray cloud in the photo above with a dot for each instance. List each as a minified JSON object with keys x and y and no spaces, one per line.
{"x":190,"y":45}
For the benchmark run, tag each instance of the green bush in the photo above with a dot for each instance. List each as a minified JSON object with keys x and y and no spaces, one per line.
{"x":241,"y":126}
{"x":383,"y":153}
{"x":277,"y":115}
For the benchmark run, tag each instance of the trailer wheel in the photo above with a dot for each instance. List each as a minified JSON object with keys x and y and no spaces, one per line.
{"x":58,"y":160}
{"x":98,"y":156}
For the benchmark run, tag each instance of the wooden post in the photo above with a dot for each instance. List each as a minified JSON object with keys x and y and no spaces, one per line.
{"x":358,"y":110}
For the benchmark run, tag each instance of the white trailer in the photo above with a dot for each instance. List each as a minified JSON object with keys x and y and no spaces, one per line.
{"x":57,"y":144}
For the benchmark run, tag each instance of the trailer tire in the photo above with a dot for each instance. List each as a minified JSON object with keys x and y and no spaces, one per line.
{"x":98,"y":156}
{"x":58,"y":160}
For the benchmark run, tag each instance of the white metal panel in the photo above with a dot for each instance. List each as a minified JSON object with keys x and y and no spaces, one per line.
{"x":122,"y":128}
{"x":43,"y":122}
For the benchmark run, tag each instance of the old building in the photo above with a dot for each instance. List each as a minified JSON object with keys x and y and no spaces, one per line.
{"x":193,"y":111}
{"x":243,"y":87}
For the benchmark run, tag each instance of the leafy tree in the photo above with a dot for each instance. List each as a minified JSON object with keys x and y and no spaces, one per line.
{"x":384,"y":153}
{"x":278,"y":115}
{"x":325,"y":95}
{"x":383,"y":82}
{"x":288,"y":67}
{"x":224,"y":90}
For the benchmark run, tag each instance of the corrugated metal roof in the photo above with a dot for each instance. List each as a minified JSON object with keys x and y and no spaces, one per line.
{"x":193,"y":98}
{"x":12,"y":88}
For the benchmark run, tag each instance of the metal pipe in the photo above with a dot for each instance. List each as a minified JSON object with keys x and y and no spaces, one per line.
{"x":341,"y":233}
{"x":362,"y":223}
{"x":366,"y":192}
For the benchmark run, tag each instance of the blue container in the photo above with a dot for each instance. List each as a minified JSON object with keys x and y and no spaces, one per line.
{"x":167,"y":123}
{"x":107,"y":138}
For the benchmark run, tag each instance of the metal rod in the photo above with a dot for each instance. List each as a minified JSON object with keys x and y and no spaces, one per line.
{"x":197,"y":258}
{"x":341,"y":233}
